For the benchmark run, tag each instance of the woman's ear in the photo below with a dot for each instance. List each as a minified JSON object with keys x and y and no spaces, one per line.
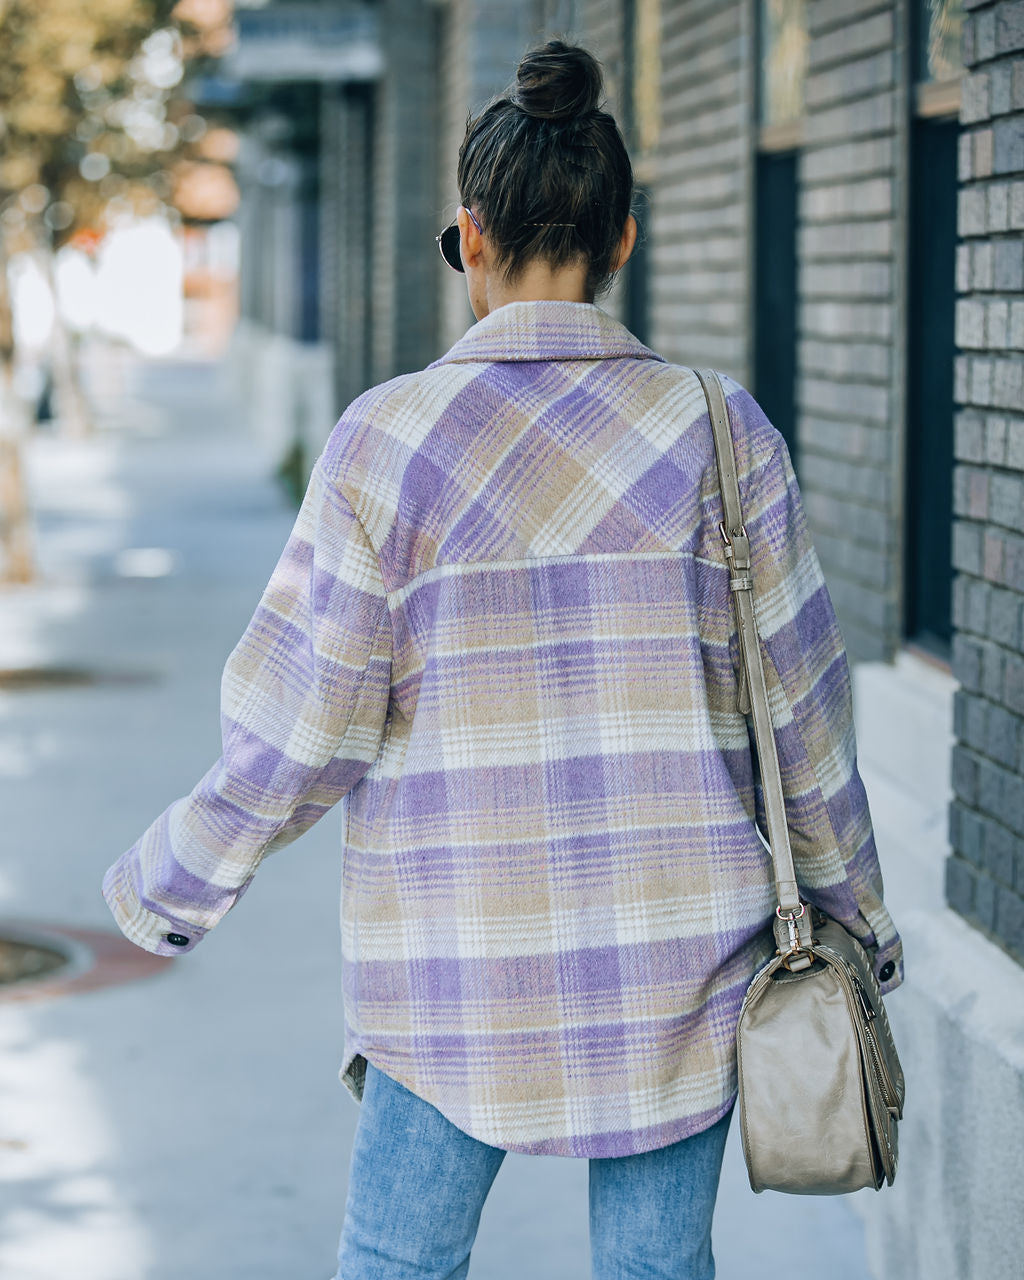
{"x":470,"y":239}
{"x":627,"y":243}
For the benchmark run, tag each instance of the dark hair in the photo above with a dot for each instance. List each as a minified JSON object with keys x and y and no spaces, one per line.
{"x":546,"y":170}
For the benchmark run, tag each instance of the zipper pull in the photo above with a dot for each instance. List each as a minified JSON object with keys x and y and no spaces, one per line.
{"x":865,"y":1003}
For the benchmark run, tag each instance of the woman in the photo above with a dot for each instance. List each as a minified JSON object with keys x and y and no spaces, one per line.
{"x":502,"y":629}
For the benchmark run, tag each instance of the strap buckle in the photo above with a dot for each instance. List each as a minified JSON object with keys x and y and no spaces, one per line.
{"x":797,"y":957}
{"x":737,"y":547}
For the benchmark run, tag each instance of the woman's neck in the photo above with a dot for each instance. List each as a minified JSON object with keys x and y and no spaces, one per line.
{"x":537,"y":283}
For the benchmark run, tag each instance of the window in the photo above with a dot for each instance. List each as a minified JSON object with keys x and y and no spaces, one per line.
{"x":782,"y":63}
{"x":931,"y":247}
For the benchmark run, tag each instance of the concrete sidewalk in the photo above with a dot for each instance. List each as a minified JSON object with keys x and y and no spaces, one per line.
{"x":191,"y":1124}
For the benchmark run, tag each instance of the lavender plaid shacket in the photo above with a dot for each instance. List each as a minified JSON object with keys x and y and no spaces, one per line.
{"x":502,"y":631}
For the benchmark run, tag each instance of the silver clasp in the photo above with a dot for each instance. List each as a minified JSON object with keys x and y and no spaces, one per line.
{"x":791,"y":919}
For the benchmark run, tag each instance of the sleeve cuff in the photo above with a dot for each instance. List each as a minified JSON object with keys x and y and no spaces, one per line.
{"x":159,"y":935}
{"x":887,"y":964}
{"x":886,"y":956}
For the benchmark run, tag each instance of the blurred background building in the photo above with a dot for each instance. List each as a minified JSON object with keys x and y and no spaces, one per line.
{"x":831,"y":195}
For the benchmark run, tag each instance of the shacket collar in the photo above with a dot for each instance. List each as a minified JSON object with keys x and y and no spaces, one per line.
{"x":546,"y":331}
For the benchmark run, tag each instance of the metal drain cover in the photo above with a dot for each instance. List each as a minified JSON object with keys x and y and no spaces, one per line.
{"x":21,"y":961}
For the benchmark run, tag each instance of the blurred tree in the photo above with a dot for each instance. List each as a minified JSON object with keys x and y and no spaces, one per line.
{"x":93,"y":128}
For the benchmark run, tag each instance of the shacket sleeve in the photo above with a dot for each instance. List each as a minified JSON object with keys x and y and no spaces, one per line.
{"x":812,"y":710}
{"x":304,"y":698}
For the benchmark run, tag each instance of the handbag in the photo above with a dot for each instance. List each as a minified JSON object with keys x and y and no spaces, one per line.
{"x":820,"y":1083}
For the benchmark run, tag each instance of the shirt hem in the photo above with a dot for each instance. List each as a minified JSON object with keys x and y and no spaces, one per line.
{"x":593,"y":1146}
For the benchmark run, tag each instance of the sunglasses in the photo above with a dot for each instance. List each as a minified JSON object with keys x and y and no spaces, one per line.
{"x":448,"y":242}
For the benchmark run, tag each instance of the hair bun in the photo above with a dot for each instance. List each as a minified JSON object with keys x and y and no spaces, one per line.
{"x":558,"y":82}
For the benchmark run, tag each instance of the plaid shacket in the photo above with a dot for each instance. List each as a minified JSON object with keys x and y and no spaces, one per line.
{"x":502,"y":631}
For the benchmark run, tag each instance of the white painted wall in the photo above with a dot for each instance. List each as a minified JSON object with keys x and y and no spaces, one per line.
{"x":285,"y":386}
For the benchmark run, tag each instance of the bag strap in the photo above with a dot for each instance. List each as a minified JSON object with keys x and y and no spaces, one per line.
{"x":792,"y":924}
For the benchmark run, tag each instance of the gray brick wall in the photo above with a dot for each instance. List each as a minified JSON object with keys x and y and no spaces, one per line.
{"x":481,"y":44}
{"x":698,"y":174}
{"x":405,"y":159}
{"x":700,"y":232}
{"x":848,"y":264}
{"x":454,"y":104}
{"x":985,"y":872}
{"x":348,"y":237}
{"x":601,"y":29}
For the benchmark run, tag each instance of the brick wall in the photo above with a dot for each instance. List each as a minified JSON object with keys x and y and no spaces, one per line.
{"x":348,"y":236}
{"x":404,"y":191}
{"x":601,"y":31}
{"x":985,"y":873}
{"x":480,"y":47}
{"x":700,"y":226}
{"x":453,"y":105}
{"x":848,"y":376}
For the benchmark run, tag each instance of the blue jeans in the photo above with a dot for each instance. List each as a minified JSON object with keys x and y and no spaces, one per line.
{"x":418,"y":1184}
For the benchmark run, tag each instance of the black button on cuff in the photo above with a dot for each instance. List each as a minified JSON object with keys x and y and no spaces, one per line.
{"x":887,"y":970}
{"x":177,"y":940}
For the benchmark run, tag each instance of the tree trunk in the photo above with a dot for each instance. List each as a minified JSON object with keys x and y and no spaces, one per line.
{"x":74,"y":414}
{"x":16,"y":558}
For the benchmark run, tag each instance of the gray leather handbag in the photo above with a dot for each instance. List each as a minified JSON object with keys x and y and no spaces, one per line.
{"x":820,"y":1083}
